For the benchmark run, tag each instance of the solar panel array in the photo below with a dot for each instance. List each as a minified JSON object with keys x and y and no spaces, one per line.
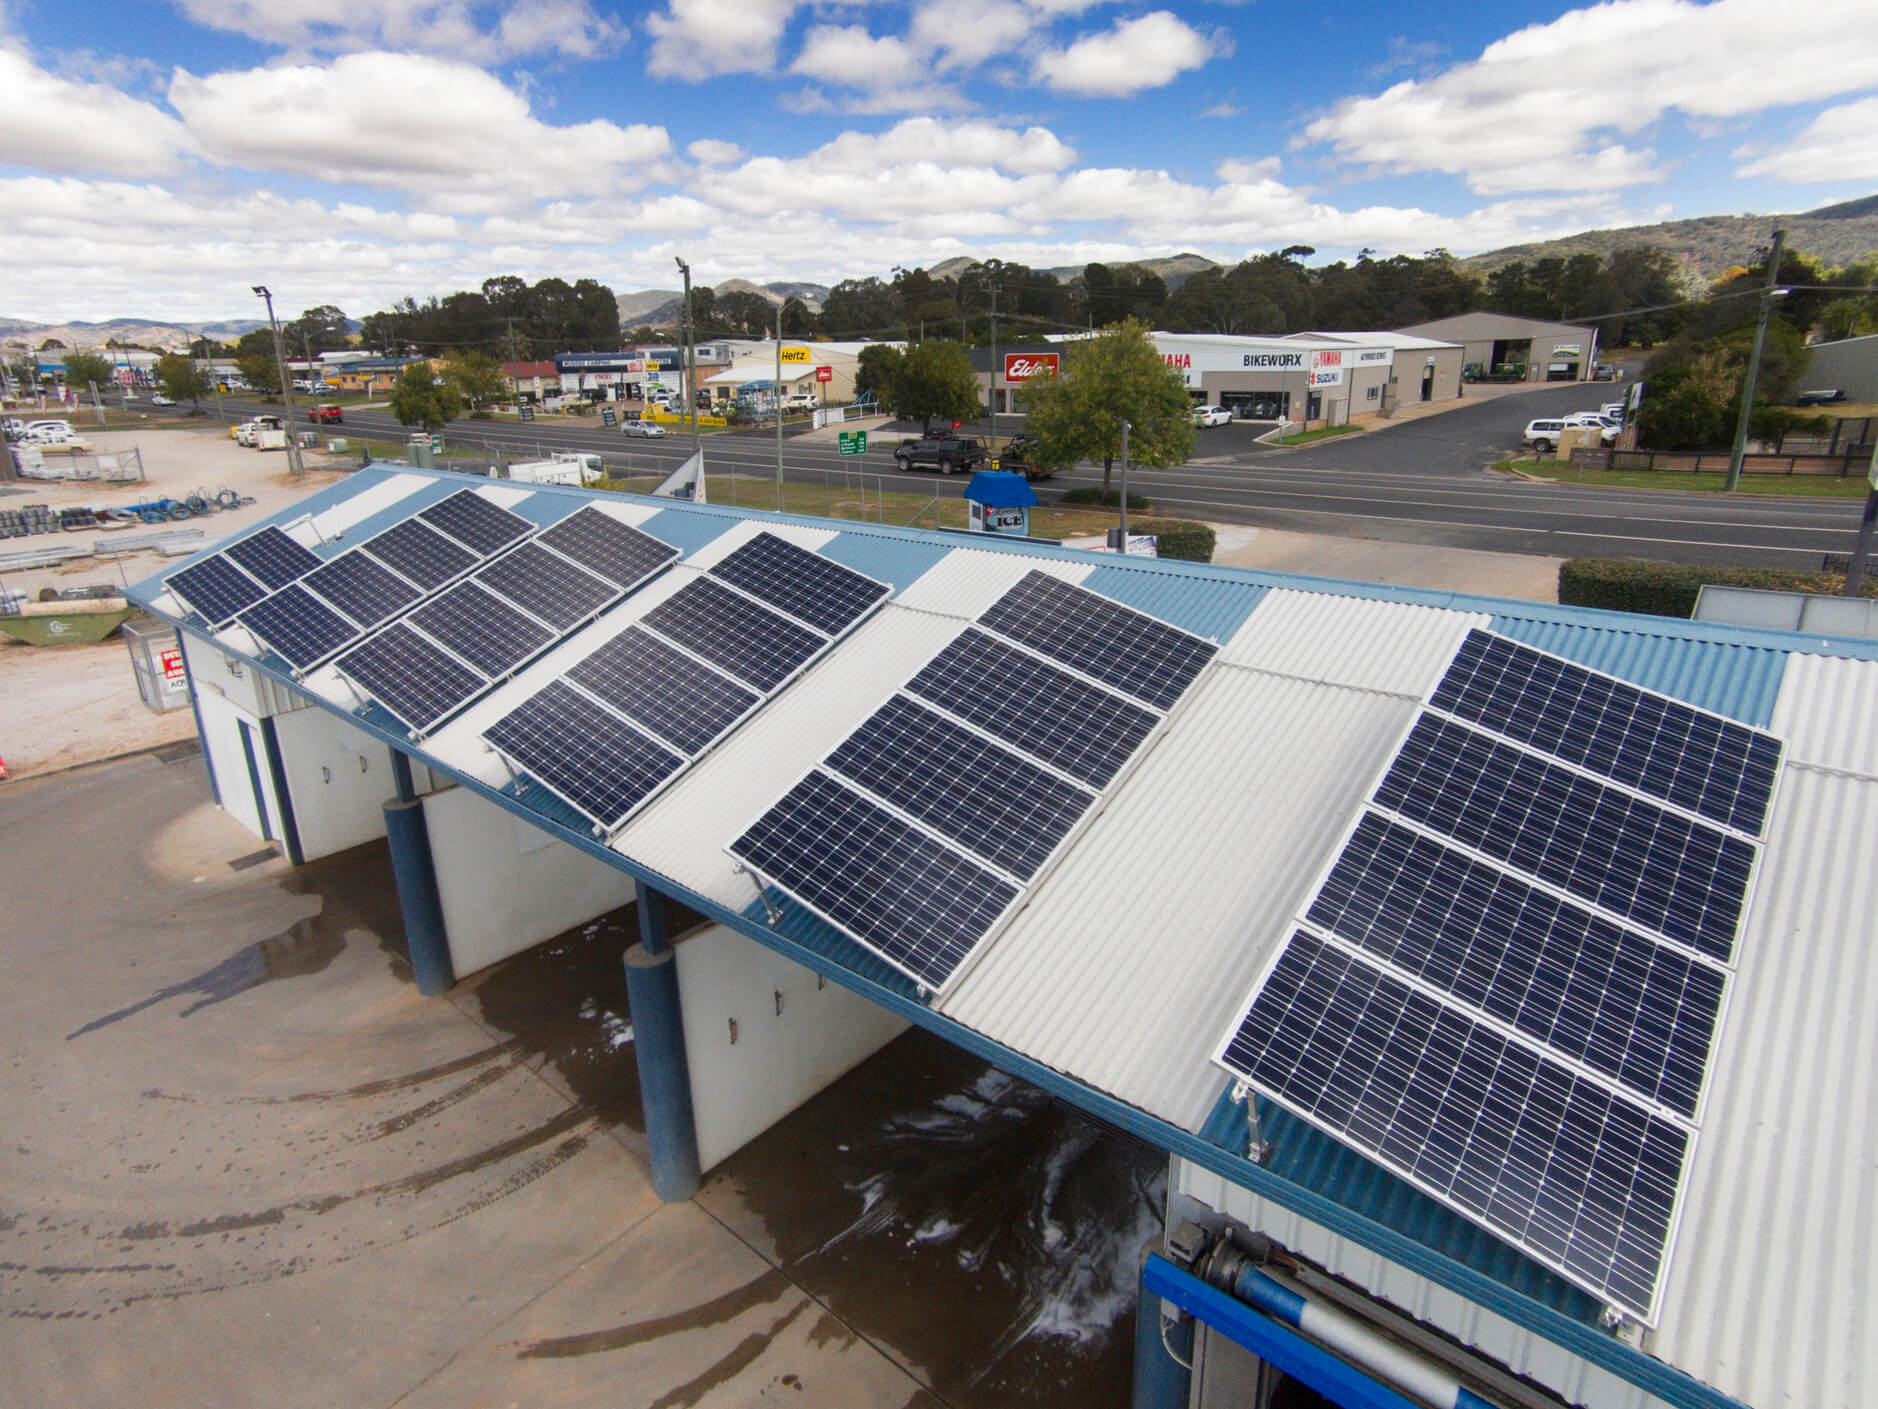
{"x":460,"y":642}
{"x":1509,"y":982}
{"x":657,"y":695}
{"x":927,"y":825}
{"x":228,"y":582}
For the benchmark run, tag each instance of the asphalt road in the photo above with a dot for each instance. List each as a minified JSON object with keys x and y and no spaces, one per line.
{"x":1424,"y":481}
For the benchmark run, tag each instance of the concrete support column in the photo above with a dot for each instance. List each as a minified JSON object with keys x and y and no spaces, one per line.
{"x":659,"y":1044}
{"x":409,"y":840}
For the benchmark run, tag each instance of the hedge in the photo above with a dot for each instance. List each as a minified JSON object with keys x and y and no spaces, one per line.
{"x":1670,"y":589}
{"x":1112,"y":498}
{"x":1181,"y":538}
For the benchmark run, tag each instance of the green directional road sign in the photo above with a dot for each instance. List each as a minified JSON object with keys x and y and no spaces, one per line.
{"x":852,"y":442}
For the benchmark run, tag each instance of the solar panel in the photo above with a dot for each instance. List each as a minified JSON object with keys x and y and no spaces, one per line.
{"x":995,"y":803}
{"x":1682,"y":878}
{"x":683,"y":701}
{"x":582,"y":752}
{"x":1697,"y":760}
{"x":1638,"y":1011}
{"x":476,"y":523}
{"x":1559,"y":1164}
{"x":546,"y":586}
{"x":272,"y":558}
{"x":1068,"y":723}
{"x":1142,"y":657}
{"x":414,"y":679}
{"x":215,"y":589}
{"x":364,"y":590}
{"x":298,"y":627}
{"x":750,"y":641}
{"x":809,"y":587}
{"x":620,"y":553}
{"x":481,"y":628}
{"x":419,"y":552}
{"x":915,"y":902}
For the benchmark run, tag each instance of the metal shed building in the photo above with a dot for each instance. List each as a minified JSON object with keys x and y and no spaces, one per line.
{"x":1496,"y":342}
{"x":1111,"y":985}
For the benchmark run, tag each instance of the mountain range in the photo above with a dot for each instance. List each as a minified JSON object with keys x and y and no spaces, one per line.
{"x":1705,"y":247}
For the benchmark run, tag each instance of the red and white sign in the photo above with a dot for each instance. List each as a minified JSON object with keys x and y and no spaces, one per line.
{"x":174,"y":678}
{"x":1326,"y":369}
{"x":1022,"y":366}
{"x":824,"y":374}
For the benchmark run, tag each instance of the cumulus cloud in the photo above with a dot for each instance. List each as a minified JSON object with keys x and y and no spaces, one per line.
{"x":1133,"y":55}
{"x":709,"y":151}
{"x":443,"y":132}
{"x":477,"y":30}
{"x":57,"y":124}
{"x":699,"y":39}
{"x":1560,"y":106}
{"x":1840,"y":145}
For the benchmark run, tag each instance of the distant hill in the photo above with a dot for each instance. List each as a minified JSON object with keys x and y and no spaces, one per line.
{"x":1711,"y":244}
{"x":141,"y":331}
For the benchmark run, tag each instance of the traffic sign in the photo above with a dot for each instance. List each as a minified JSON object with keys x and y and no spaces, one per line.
{"x":436,"y":445}
{"x":852,"y":442}
{"x":824,"y":374}
{"x":607,"y":418}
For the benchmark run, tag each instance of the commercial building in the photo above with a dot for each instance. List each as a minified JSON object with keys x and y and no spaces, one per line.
{"x":824,"y":370}
{"x":1224,"y":738}
{"x":1498,"y":344}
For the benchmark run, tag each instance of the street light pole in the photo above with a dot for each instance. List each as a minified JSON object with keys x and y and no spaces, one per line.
{"x":286,"y":393}
{"x":1738,"y":451}
{"x":779,"y":474}
{"x":690,"y":378}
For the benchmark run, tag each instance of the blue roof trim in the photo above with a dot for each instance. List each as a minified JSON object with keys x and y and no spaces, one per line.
{"x":1739,"y":681}
{"x":686,"y":529}
{"x":1211,"y":609}
{"x":884,"y":559}
{"x":317,"y":502}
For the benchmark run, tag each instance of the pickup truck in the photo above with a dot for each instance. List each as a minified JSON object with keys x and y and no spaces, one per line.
{"x":948,"y":454}
{"x":1019,"y":456}
{"x":326,"y":413}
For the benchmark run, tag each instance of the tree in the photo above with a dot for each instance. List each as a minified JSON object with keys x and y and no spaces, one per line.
{"x":86,"y":367}
{"x":418,"y":398}
{"x":322,"y":329}
{"x":864,"y":308}
{"x":260,"y":371}
{"x":182,"y":379}
{"x":797,"y":321}
{"x":934,"y":381}
{"x":477,"y":377}
{"x":745,"y":312}
{"x":1113,"y":377}
{"x":875,"y":370}
{"x":51,"y":345}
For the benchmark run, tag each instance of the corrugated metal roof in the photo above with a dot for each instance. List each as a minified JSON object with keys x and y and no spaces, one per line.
{"x":1403,"y":649}
{"x":1770,"y":1296}
{"x":1205,"y":606}
{"x":1828,"y":713}
{"x":1126,"y":965}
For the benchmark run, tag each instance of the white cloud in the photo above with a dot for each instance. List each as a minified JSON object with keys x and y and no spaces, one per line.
{"x":445,"y":132}
{"x":55,"y":124}
{"x":1841,"y":144}
{"x":849,"y":54}
{"x":480,"y":30}
{"x":1135,"y":54}
{"x":1543,"y":108}
{"x":709,"y":151}
{"x":967,"y":32}
{"x":699,"y":39}
{"x":1222,"y":110}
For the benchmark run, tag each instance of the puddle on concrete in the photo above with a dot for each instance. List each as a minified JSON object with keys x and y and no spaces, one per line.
{"x":351,"y":889}
{"x":986,"y":1232}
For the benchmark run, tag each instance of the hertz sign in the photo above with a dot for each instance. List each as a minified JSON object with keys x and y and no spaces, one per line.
{"x":1022,"y":366}
{"x":796,"y":354}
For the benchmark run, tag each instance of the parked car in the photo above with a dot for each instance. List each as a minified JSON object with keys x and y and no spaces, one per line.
{"x":645,"y":428}
{"x":1208,"y":416}
{"x":1543,"y":435}
{"x":1615,"y":410}
{"x":157,"y":398}
{"x":1604,"y":372}
{"x":326,"y":414}
{"x":945,"y":453}
{"x":1820,"y":396}
{"x":799,"y":401}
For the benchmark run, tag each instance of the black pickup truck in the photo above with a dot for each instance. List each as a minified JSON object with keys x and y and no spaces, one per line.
{"x":948,"y":454}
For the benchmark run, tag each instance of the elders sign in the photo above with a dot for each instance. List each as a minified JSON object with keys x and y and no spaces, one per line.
{"x":1022,"y":366}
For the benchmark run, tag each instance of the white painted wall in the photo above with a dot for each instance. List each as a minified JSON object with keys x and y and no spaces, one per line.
{"x":215,"y":672}
{"x":779,"y":1060}
{"x":505,"y":883}
{"x":339,"y":778}
{"x":222,"y":725}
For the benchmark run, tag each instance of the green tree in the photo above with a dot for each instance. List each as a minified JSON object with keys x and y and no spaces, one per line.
{"x":1113,"y":377}
{"x":797,"y":321}
{"x":182,"y":379}
{"x":86,"y":367}
{"x":745,"y":312}
{"x":260,"y":371}
{"x":863,"y":308}
{"x":875,"y":370}
{"x":419,"y":398}
{"x":322,"y":329}
{"x":934,"y":381}
{"x":477,"y":377}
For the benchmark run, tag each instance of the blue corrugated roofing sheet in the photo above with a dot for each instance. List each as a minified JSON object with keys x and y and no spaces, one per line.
{"x":1207,"y":606}
{"x":884,"y":557}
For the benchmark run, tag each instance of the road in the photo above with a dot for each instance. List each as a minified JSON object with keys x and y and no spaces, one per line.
{"x":1425,"y":481}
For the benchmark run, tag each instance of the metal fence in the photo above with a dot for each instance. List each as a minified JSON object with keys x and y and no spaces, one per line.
{"x":1849,"y":462}
{"x":156,"y":659}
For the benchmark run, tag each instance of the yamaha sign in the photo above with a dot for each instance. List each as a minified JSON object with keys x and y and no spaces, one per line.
{"x":1022,"y":366}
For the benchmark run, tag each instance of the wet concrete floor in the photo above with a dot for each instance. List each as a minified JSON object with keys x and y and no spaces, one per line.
{"x":242,"y":1161}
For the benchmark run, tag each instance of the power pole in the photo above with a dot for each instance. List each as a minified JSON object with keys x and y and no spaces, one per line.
{"x":515,"y":365}
{"x":286,"y":385}
{"x":689,"y":378}
{"x":779,"y":477}
{"x":1739,"y":450}
{"x":994,"y":367}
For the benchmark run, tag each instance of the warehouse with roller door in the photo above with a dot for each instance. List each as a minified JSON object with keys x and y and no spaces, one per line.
{"x":1503,"y":347}
{"x":1522,"y":1068}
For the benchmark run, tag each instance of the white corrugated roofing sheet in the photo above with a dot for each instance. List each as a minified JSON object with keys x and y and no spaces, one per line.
{"x":1770,"y":1297}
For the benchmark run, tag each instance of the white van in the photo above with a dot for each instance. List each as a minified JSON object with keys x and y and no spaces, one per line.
{"x":1543,"y":435}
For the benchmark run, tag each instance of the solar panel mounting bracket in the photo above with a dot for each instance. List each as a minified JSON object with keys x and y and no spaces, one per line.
{"x":762,"y":893}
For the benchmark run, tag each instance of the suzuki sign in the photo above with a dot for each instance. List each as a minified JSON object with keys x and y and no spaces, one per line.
{"x":1022,"y":366}
{"x":1326,"y":369}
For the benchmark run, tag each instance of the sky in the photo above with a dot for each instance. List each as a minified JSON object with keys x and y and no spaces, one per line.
{"x":159,"y":157}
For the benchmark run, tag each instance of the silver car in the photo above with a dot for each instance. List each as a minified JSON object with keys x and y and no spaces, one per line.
{"x":645,"y":428}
